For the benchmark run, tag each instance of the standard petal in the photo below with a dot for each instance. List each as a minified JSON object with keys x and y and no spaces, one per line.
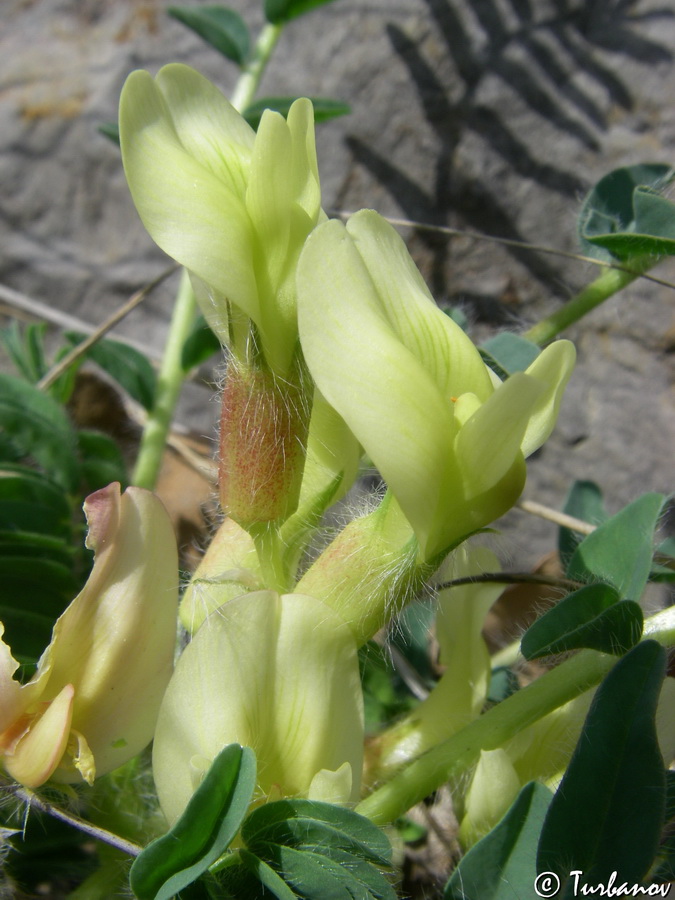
{"x":116,"y":640}
{"x":207,"y":125}
{"x":441,"y":346}
{"x":195,"y":215}
{"x":243,"y":679}
{"x":378,"y":386}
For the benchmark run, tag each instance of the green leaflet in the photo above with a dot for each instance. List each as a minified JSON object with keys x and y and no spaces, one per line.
{"x":33,"y":425}
{"x":201,"y":344}
{"x":620,"y":551}
{"x":501,"y":865}
{"x":222,"y":28}
{"x":313,"y":850}
{"x":278,"y":11}
{"x":584,"y":501}
{"x":507,"y":353}
{"x":324,"y":108}
{"x":130,"y":369}
{"x":593,"y":616}
{"x":204,"y":831}
{"x":616,"y":770}
{"x":625,"y":215}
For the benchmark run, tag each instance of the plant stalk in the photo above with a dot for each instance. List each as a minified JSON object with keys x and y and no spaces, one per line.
{"x":248,"y":82}
{"x":169,"y":383}
{"x":459,"y":753}
{"x":610,"y":282}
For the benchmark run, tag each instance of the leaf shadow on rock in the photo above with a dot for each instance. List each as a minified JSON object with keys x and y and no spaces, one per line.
{"x":556,"y":59}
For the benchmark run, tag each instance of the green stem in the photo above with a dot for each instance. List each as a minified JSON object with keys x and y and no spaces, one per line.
{"x":606,"y":285}
{"x":460,"y":753}
{"x":248,"y":82}
{"x":169,"y":383}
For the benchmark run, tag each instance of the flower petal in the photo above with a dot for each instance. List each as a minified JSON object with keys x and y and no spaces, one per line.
{"x":15,"y":698}
{"x":242,"y":680}
{"x":37,"y":754}
{"x":207,"y":125}
{"x":443,"y":348}
{"x":378,"y":386}
{"x":116,"y":640}
{"x":228,"y":569}
{"x":552,"y":368}
{"x":489,"y":441}
{"x":192,"y":208}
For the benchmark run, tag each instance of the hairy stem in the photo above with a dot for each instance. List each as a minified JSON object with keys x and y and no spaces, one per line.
{"x":100,"y":834}
{"x":459,"y":753}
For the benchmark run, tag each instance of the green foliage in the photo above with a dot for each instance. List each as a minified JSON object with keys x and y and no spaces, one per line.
{"x":384,"y":695}
{"x":222,"y":28}
{"x":584,"y":501}
{"x":130,"y":369}
{"x":503,"y":683}
{"x":507,"y":353}
{"x":25,"y":347}
{"x":627,"y":215}
{"x":608,"y":812}
{"x":200,"y":345}
{"x":34,"y":428}
{"x":324,"y":108}
{"x":280,"y":11}
{"x":204,"y":831}
{"x":502,"y":865}
{"x":292,"y":848}
{"x":317,"y":851}
{"x":620,"y":551}
{"x":590,"y":617}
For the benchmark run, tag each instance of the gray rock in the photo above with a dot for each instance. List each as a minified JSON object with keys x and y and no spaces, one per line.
{"x":486,"y":116}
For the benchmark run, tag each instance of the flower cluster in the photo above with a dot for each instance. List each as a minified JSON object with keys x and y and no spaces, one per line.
{"x":336,"y":350}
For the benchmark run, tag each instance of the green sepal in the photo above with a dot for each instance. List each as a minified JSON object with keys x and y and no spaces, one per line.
{"x":616,"y":769}
{"x":222,"y":28}
{"x":324,"y":108}
{"x":501,"y":865}
{"x":592,"y":617}
{"x":626,"y":215}
{"x":207,"y":827}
